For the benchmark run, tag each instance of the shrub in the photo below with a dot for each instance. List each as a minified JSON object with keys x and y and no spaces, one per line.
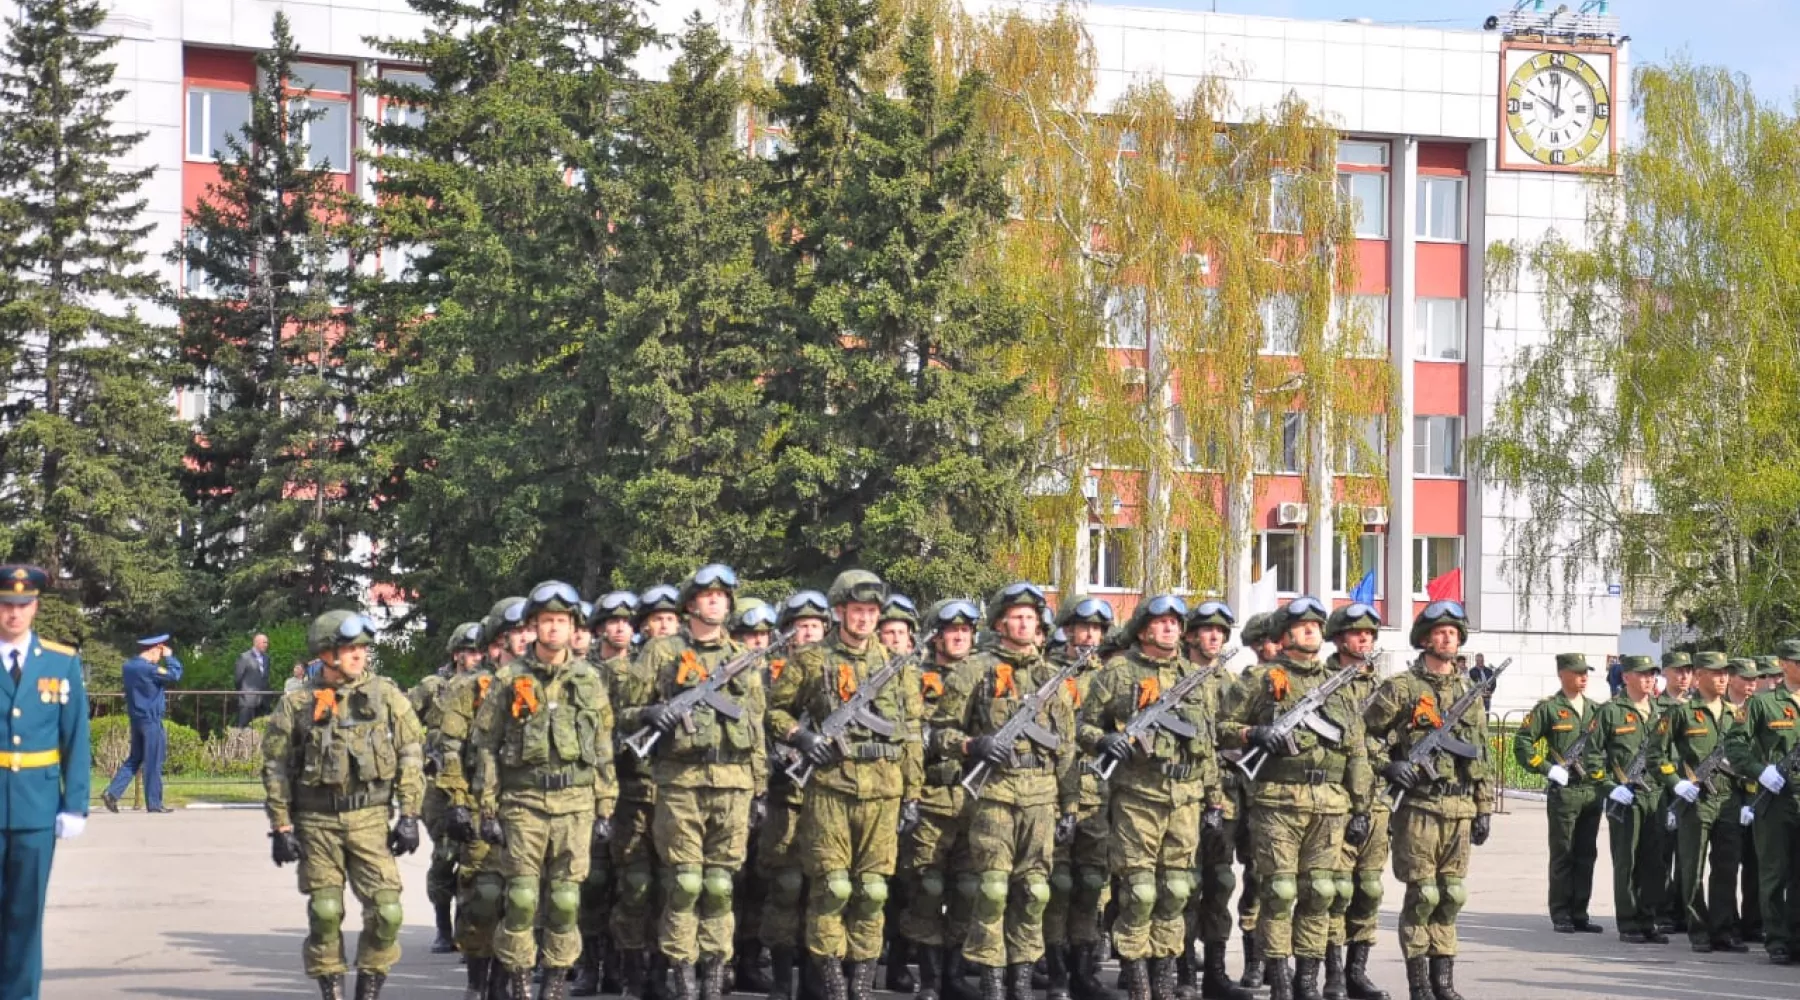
{"x":110,"y":737}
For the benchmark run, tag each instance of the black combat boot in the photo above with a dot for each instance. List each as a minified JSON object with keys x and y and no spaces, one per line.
{"x":632,"y":967}
{"x":587,"y":969}
{"x":368,"y":984}
{"x":556,"y":984}
{"x":1215,"y":982}
{"x":829,"y":971}
{"x":332,"y":987}
{"x":993,"y":981}
{"x":1279,"y":977}
{"x":781,"y":973}
{"x":1020,"y":981}
{"x":1056,"y":963}
{"x":899,"y":976}
{"x":476,"y":987}
{"x":1252,"y":978}
{"x":1443,"y":977}
{"x":957,"y":971}
{"x":931,"y":970}
{"x":1165,"y":978}
{"x":445,"y":942}
{"x":519,"y":980}
{"x":752,"y":975}
{"x":1306,"y":978}
{"x":1187,"y":970}
{"x":1334,"y":973}
{"x":684,"y":981}
{"x":1085,"y":982}
{"x":862,"y":980}
{"x":1418,"y":979}
{"x":712,"y":977}
{"x":1356,"y":975}
{"x":1134,"y":973}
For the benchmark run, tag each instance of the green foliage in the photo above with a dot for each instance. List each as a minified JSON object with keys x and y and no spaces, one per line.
{"x":110,"y":737}
{"x":210,"y":666}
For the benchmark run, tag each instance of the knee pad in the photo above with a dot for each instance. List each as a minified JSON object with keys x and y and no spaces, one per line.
{"x":1343,"y":888}
{"x":521,"y":904}
{"x":968,"y":887}
{"x":1139,"y":898}
{"x":1174,"y":889}
{"x":990,"y":901}
{"x":1453,"y":896}
{"x":634,"y":885}
{"x":484,"y":898}
{"x":325,"y":913}
{"x":1062,"y":880}
{"x":785,"y":888}
{"x":565,"y":906}
{"x":1280,"y":892}
{"x":388,"y":919}
{"x":834,"y":893}
{"x":1222,"y":879}
{"x":1421,"y":901}
{"x":1090,"y":880}
{"x":685,"y":885}
{"x":715,"y":891}
{"x":1368,"y":886}
{"x":871,"y":894}
{"x":1321,"y":889}
{"x":1033,"y":896}
{"x":931,"y":886}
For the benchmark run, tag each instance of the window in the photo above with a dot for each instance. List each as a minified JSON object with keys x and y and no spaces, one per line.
{"x":397,"y":260}
{"x":1125,"y":322}
{"x":1364,"y":447}
{"x":212,"y":115}
{"x":197,"y":402}
{"x":1287,"y":452}
{"x":397,"y":112}
{"x":1195,"y":452}
{"x":1440,"y":209}
{"x":1284,"y":203}
{"x":1366,"y":194}
{"x":1440,"y":323}
{"x":1281,"y":324}
{"x":1362,"y":154}
{"x":319,"y":77}
{"x":1432,"y":557}
{"x":327,"y":135}
{"x":1281,"y":553}
{"x":1362,"y":320}
{"x":1110,"y":553}
{"x":1437,"y":446}
{"x":1347,"y":572}
{"x":194,"y":279}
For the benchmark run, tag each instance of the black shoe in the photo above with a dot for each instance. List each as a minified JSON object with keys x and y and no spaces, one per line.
{"x":829,"y":971}
{"x":1334,"y":974}
{"x":445,"y":942}
{"x":1667,"y":927}
{"x":1135,"y":974}
{"x":111,"y":802}
{"x":330,"y":987}
{"x":1279,"y":977}
{"x":781,"y":973}
{"x":587,"y":970}
{"x":1780,"y":956}
{"x":159,"y":809}
{"x":1586,"y":926}
{"x":709,"y":977}
{"x":1215,"y":983}
{"x":861,"y":981}
{"x":1443,"y":977}
{"x":1753,"y":936}
{"x":1563,"y":927}
{"x":1086,"y":979}
{"x":1306,"y":978}
{"x":1703,"y":947}
{"x":1056,"y":962}
{"x":1356,"y":974}
{"x":556,"y":984}
{"x":1632,"y":937}
{"x":1021,"y":981}
{"x":931,"y":969}
{"x":993,"y":981}
{"x":1418,"y":979}
{"x":899,"y":978}
{"x":1657,"y":937}
{"x":1731,"y":944}
{"x":752,"y":975}
{"x":957,"y":971}
{"x":519,"y":981}
{"x":1252,"y":979}
{"x":368,"y":984}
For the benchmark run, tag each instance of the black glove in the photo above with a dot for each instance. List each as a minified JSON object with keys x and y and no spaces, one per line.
{"x":1270,"y":741}
{"x":909,"y":815}
{"x":986,"y":748}
{"x":1356,"y":833}
{"x":490,"y":830}
{"x":663,"y":718}
{"x":1401,"y":772}
{"x":285,"y":847}
{"x":602,"y":830}
{"x":405,"y":836}
{"x":434,"y":762}
{"x":1479,"y":830}
{"x":1065,"y":828}
{"x":1213,"y":818}
{"x":459,"y":824}
{"x":1117,"y":746}
{"x":815,"y":748}
{"x":759,"y":811}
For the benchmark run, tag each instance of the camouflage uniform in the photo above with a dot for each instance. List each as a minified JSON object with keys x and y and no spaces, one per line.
{"x":334,"y":760}
{"x":1079,"y":873}
{"x":1237,"y":796}
{"x":480,"y":887}
{"x":631,"y":853}
{"x":936,"y":917}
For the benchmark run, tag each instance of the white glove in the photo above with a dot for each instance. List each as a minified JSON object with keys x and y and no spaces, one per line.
{"x":1688,"y":791}
{"x":1746,"y":816}
{"x":1622,"y":795}
{"x":1558,"y":774}
{"x":69,"y":826}
{"x":1772,"y":780}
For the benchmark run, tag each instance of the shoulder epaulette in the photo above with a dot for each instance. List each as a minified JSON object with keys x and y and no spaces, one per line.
{"x":57,"y":647}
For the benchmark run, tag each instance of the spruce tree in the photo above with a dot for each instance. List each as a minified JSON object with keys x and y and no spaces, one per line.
{"x":278,"y":470}
{"x":89,"y":447}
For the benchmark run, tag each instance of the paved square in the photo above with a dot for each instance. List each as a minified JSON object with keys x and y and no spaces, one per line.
{"x":188,"y":905}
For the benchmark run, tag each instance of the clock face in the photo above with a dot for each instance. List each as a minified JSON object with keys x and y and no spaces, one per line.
{"x":1558,"y":110}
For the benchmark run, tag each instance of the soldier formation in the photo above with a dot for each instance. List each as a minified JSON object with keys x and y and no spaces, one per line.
{"x":683,"y":793}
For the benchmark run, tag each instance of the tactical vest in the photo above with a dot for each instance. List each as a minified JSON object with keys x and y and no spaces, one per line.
{"x":715,"y":739}
{"x":943,"y":773}
{"x":998,"y":695}
{"x":1317,"y":763}
{"x":552,"y":728}
{"x":1177,"y":757}
{"x":348,"y":756}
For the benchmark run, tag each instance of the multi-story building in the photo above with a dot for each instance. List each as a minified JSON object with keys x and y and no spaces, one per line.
{"x":1453,"y":141}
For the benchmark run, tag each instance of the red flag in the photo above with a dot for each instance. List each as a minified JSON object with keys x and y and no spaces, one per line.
{"x":1447,"y":587}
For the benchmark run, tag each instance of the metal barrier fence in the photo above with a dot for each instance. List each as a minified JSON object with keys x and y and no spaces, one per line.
{"x":1507,"y":772}
{"x":222,"y":765}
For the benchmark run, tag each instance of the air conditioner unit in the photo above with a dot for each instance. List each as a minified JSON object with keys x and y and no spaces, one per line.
{"x":1290,"y":513}
{"x":1090,"y":487}
{"x":1132,"y":376}
{"x":1374,"y":516}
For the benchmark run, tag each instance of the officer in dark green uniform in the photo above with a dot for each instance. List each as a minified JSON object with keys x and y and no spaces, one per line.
{"x":1746,"y":924}
{"x":1620,"y":728}
{"x":1705,"y":832}
{"x":1678,"y":678}
{"x":1757,"y":749}
{"x":1572,"y":802}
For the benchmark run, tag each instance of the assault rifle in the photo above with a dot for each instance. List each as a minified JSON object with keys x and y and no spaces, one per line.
{"x":1703,"y":772}
{"x":1785,"y":766}
{"x":1308,"y":712}
{"x":709,"y":693}
{"x":1160,"y":714}
{"x":1634,"y":770}
{"x":1570,"y":759}
{"x":1443,"y":738}
{"x":855,"y":711}
{"x":1024,"y":723}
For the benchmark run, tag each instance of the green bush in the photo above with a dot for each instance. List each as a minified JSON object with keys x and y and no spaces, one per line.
{"x":110,"y":737}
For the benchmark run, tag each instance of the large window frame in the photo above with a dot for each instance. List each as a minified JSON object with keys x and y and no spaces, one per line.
{"x":1293,"y":443}
{"x":1283,"y":550}
{"x":339,"y":107}
{"x":1108,"y":546}
{"x":1438,"y":220}
{"x":1441,"y":329}
{"x":203,"y":104}
{"x":1432,"y":557}
{"x":1438,"y":446}
{"x":1363,"y":178}
{"x":1344,"y":578}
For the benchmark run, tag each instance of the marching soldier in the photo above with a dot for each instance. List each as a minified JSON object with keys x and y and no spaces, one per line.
{"x":1256,"y":637}
{"x":464,"y":646}
{"x":709,"y":782}
{"x":1163,"y":792}
{"x":1442,"y":817}
{"x":753,"y":627}
{"x":1357,"y":903}
{"x":544,"y":783}
{"x":1759,"y":750}
{"x":1748,"y":924}
{"x":1705,"y":833}
{"x":1308,"y":800}
{"x":336,"y":753}
{"x":616,"y":895}
{"x":899,"y":622}
{"x":865,"y":785}
{"x":1013,"y":824}
{"x":1572,"y":800}
{"x":1678,"y":678}
{"x":1620,"y":729}
{"x":659,"y":612}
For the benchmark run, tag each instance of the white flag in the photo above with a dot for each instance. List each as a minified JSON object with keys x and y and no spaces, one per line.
{"x":1262,"y":594}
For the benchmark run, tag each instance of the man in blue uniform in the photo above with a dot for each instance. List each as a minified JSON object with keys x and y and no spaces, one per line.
{"x":145,"y":675}
{"x":43,"y":729}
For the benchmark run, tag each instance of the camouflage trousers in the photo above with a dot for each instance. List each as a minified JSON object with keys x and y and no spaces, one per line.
{"x":1009,"y":852}
{"x":595,"y":913}
{"x":1356,"y":906}
{"x":1078,"y":880}
{"x":544,"y":860}
{"x":632,"y":856}
{"x":1431,"y":855}
{"x":701,"y":835}
{"x":440,"y":878}
{"x":1297,"y":832}
{"x":1209,"y":909}
{"x":1153,"y":851}
{"x":783,"y":877}
{"x":933,"y":916}
{"x":848,"y":848}
{"x":480,"y":896}
{"x":348,"y":848}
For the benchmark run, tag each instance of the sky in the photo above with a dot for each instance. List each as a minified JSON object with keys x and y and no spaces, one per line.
{"x":1753,"y":37}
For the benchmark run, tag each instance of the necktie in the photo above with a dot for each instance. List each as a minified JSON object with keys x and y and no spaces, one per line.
{"x":13,"y":668}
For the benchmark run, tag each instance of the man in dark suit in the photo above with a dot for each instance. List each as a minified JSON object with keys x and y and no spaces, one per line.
{"x":43,"y":734}
{"x":252,"y":675}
